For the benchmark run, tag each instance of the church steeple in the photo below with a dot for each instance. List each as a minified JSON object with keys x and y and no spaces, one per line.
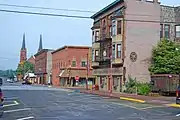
{"x":23,"y":43}
{"x":23,"y":52}
{"x":40,"y":44}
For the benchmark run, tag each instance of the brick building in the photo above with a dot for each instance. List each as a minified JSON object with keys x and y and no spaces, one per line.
{"x":69,"y":62}
{"x":43,"y":66}
{"x":170,"y":22}
{"x":124,"y":33}
{"x":32,"y":60}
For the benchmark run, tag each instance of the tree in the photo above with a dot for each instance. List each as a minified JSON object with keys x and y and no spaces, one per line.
{"x":24,"y":68}
{"x":165,"y":58}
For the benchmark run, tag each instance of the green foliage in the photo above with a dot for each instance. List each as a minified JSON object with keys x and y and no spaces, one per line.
{"x":165,"y":58}
{"x":136,"y":87}
{"x":24,"y":68}
{"x":7,"y":73}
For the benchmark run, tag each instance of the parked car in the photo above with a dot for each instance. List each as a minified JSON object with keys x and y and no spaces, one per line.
{"x":1,"y":103}
{"x":26,"y":82}
{"x":1,"y":81}
{"x":178,"y":95}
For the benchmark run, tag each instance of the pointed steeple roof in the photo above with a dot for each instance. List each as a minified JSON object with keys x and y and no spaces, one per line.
{"x":40,"y":44}
{"x":23,"y":43}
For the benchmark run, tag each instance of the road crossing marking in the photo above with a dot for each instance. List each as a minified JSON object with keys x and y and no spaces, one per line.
{"x":8,"y":105}
{"x":26,"y":118}
{"x":17,"y":110}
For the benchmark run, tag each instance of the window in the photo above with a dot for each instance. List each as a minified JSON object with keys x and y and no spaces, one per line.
{"x":83,"y":64}
{"x":73,"y":63}
{"x":177,"y":31}
{"x":161,"y":31}
{"x":119,"y":24}
{"x":118,"y":50}
{"x":104,"y":29}
{"x":93,"y":55}
{"x":97,"y":36}
{"x":113,"y":28}
{"x":96,"y":53}
{"x":93,"y":36}
{"x":110,"y":30}
{"x":113,"y":51}
{"x":167,"y":31}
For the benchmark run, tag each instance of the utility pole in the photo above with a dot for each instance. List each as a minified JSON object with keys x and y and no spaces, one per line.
{"x":87,"y":66}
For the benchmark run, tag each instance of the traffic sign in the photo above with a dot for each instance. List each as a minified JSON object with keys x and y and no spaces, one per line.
{"x":77,"y":78}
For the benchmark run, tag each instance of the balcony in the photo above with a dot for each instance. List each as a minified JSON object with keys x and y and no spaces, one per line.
{"x":95,"y":64}
{"x":117,"y":61}
{"x":96,"y":45}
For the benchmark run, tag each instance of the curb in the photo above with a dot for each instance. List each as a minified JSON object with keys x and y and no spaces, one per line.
{"x":132,"y":99}
{"x":173,"y":105}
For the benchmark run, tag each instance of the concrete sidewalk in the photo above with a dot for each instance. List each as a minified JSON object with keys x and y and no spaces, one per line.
{"x":160,"y":100}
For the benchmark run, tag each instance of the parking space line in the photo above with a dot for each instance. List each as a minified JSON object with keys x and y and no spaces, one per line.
{"x":126,"y":106}
{"x":26,"y":118}
{"x":8,"y":105}
{"x":17,"y":110}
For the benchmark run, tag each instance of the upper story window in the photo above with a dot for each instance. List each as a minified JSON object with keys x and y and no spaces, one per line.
{"x":114,"y":51}
{"x":93,"y":36}
{"x":167,"y":31}
{"x":119,"y":26}
{"x":118,"y":50}
{"x":96,"y":35}
{"x":93,"y":55}
{"x":83,"y":63}
{"x":161,"y":31}
{"x":113,"y":28}
{"x":96,"y":53}
{"x":73,"y":63}
{"x":177,"y":31}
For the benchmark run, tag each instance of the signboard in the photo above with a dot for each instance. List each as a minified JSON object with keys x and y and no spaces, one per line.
{"x":115,"y":71}
{"x":77,"y":78}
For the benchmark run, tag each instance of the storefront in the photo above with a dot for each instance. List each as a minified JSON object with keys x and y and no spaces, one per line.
{"x":104,"y":81}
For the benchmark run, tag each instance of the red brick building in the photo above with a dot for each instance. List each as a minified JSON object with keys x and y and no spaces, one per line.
{"x":32,"y":60}
{"x":69,"y":62}
{"x":43,"y":66}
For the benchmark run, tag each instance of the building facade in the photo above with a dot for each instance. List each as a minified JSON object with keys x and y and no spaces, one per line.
{"x":43,"y":66}
{"x":70,"y":62}
{"x":124,"y":33}
{"x":32,"y":60}
{"x":170,"y":23}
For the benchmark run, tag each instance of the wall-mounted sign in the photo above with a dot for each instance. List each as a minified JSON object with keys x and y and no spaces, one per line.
{"x":133,"y":57}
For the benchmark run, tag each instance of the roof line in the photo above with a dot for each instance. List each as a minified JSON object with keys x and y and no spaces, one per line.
{"x":66,"y":46}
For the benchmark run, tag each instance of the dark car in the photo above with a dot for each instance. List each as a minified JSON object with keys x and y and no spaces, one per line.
{"x":178,"y":95}
{"x":1,"y":81}
{"x":1,"y":102}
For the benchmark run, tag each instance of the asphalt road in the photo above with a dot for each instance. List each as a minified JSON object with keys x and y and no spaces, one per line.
{"x":43,"y":103}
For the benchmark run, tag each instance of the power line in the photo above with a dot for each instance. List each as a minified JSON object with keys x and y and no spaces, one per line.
{"x":43,"y":14}
{"x":46,"y":8}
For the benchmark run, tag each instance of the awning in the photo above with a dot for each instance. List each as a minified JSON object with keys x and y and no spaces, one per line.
{"x":74,"y":73}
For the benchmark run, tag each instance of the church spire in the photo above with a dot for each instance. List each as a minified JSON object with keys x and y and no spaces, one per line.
{"x":23,"y":43}
{"x":40,"y":44}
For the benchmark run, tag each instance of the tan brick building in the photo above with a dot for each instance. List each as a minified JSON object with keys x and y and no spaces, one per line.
{"x":124,"y":33}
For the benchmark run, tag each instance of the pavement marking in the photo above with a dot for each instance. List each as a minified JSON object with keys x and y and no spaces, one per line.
{"x":151,"y":107}
{"x":173,"y":105}
{"x":126,"y":106}
{"x":26,"y":118}
{"x":8,"y":105}
{"x":17,"y":110}
{"x":132,"y":99}
{"x":12,"y":98}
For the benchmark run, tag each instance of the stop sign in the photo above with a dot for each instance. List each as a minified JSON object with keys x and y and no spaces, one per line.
{"x":77,"y":78}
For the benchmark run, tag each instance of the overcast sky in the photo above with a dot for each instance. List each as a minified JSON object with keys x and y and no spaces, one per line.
{"x":56,"y":31}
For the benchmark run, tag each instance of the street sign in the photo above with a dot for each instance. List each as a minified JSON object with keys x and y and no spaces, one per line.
{"x":77,"y":78}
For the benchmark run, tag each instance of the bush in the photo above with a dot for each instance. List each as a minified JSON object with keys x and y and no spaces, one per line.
{"x":136,"y":87}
